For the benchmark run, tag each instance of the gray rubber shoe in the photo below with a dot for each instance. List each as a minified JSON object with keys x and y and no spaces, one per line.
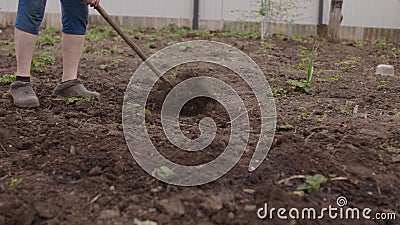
{"x":23,"y":95}
{"x":73,"y":88}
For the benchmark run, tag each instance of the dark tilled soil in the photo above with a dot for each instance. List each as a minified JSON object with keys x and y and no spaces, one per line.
{"x":76,"y":168}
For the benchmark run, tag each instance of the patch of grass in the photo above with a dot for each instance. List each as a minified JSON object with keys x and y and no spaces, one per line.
{"x":174,"y":31}
{"x":117,"y":50}
{"x":392,"y":149}
{"x":15,"y":181}
{"x":73,"y":100}
{"x":337,"y":79}
{"x":7,"y":79}
{"x":324,"y":116}
{"x":265,"y":47}
{"x":249,"y":34}
{"x":114,"y":64}
{"x":39,"y":64}
{"x":153,"y":37}
{"x":312,"y":183}
{"x":348,"y":65}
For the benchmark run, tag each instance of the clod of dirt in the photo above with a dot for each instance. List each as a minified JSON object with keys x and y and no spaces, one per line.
{"x":72,"y":150}
{"x":108,"y":214}
{"x":95,"y":171}
{"x":44,"y":210}
{"x":213,"y":203}
{"x":173,"y":207}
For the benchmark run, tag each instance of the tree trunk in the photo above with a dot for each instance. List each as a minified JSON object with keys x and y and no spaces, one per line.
{"x":266,"y":18}
{"x":335,"y":20}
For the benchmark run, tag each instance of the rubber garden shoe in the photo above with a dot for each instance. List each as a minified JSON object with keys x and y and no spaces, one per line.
{"x":73,"y":88}
{"x":23,"y":95}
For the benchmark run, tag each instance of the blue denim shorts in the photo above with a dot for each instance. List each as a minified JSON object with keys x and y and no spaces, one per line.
{"x":31,"y":12}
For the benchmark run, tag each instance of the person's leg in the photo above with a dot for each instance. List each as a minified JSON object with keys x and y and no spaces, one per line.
{"x":29,"y":17}
{"x":72,"y":46}
{"x":24,"y":46}
{"x":74,"y":19}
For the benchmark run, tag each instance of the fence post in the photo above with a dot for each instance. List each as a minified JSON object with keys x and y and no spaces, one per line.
{"x":195,"y":25}
{"x":335,"y":19}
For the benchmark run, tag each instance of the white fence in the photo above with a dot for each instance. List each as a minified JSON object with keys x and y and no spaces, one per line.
{"x":215,"y":14}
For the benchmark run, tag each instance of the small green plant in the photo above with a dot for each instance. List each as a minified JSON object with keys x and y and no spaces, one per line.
{"x":281,"y":36}
{"x":174,"y":31}
{"x":15,"y":181}
{"x":174,"y":72}
{"x":279,"y":91}
{"x":7,"y":94}
{"x":128,"y":29}
{"x":303,"y":116}
{"x":337,"y":79}
{"x":164,"y":172}
{"x":7,"y":79}
{"x":350,"y":103}
{"x":117,"y":50}
{"x":312,"y":183}
{"x":383,"y":44}
{"x":359,"y":43}
{"x":73,"y":100}
{"x":348,"y":112}
{"x":94,"y":34}
{"x":153,"y":37}
{"x":114,"y":64}
{"x":305,"y":85}
{"x":102,"y":52}
{"x":5,"y":43}
{"x":39,"y":64}
{"x":296,"y":37}
{"x":45,"y":40}
{"x":147,"y":112}
{"x":110,"y":32}
{"x":286,"y":127}
{"x":392,"y":149}
{"x":382,"y":86}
